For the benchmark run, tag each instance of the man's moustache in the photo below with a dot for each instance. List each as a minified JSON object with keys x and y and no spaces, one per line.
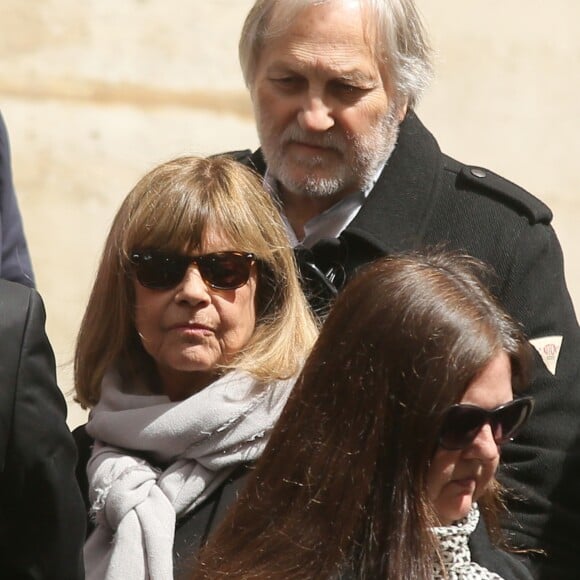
{"x":326,"y":141}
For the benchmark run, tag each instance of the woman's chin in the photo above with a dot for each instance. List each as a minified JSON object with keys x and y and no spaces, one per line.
{"x":457,"y":510}
{"x":184,"y":380}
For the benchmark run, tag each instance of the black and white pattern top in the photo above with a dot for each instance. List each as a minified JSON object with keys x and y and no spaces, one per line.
{"x":455,"y":551}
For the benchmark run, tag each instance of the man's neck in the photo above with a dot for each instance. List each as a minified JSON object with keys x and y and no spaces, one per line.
{"x":300,"y":208}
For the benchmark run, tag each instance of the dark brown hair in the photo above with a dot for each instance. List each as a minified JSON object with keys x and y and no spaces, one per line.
{"x":342,"y":484}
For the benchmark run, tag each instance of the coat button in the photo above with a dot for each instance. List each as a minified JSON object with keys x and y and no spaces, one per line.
{"x":478,"y":172}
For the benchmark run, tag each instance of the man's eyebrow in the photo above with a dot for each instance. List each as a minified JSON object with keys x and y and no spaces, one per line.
{"x":355,"y":76}
{"x":279,"y":65}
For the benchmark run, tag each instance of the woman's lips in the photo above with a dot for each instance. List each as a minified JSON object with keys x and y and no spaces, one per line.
{"x":465,"y":482}
{"x":192,"y":329}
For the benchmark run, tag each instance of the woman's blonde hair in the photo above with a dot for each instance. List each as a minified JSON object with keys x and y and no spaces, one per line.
{"x":172,"y":208}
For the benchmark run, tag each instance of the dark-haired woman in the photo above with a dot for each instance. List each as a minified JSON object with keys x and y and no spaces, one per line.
{"x":383,"y":462}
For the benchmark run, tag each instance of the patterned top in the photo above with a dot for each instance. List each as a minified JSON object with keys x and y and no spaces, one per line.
{"x":455,"y":551}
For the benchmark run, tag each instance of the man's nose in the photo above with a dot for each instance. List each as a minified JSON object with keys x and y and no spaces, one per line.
{"x":315,"y":115}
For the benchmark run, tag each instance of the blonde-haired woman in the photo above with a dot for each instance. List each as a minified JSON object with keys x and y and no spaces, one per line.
{"x":194,"y":331}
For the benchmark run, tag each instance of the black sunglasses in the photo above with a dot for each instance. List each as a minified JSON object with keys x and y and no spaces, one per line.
{"x":220,"y":270}
{"x":463,"y":422}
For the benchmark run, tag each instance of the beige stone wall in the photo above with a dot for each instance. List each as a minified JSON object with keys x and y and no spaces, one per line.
{"x":97,"y":92}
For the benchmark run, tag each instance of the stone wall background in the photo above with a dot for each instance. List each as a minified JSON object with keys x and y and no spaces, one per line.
{"x":96,"y":93}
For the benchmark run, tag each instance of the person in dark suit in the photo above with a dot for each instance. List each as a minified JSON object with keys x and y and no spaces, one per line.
{"x":357,"y":175}
{"x":15,"y":262}
{"x":42,"y":516}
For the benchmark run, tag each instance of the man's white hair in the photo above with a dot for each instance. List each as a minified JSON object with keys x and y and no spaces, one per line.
{"x":394,"y":29}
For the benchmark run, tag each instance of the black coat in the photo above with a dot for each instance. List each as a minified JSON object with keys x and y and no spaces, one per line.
{"x":42,"y":518}
{"x":425,"y":198}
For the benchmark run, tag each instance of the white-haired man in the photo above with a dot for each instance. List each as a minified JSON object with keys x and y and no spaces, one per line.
{"x":334,"y":84}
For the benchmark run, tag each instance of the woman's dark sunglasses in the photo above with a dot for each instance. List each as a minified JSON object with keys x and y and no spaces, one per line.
{"x":463,"y":422}
{"x":220,"y":270}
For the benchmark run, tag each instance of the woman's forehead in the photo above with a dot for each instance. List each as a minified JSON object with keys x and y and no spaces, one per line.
{"x":207,"y":240}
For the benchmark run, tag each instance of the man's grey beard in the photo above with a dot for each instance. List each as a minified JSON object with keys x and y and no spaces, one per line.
{"x":369,"y":154}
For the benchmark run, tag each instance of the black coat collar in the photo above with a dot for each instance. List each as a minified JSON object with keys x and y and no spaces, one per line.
{"x":397,"y":209}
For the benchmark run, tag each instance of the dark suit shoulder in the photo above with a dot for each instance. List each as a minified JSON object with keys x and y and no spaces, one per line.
{"x":14,"y":312}
{"x":482,"y":181}
{"x":13,"y":295}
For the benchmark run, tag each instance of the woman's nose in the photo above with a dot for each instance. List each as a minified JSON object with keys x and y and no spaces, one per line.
{"x":192,"y":288}
{"x":484,"y":446}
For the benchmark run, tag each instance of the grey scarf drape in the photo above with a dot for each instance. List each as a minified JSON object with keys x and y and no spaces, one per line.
{"x":155,"y":459}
